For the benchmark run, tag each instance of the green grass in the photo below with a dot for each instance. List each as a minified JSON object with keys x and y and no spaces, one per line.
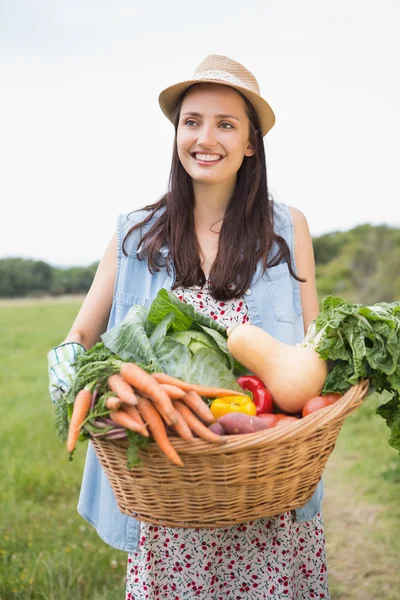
{"x":362,"y":510}
{"x":48,"y":552}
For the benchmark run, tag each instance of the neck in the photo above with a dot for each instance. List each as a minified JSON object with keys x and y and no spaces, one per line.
{"x":210,"y":204}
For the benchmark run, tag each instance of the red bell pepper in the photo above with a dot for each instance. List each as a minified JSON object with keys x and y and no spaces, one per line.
{"x":261,"y":396}
{"x":250,"y":382}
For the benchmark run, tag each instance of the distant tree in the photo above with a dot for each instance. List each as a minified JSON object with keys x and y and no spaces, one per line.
{"x":327,"y":247}
{"x":19,"y":277}
{"x":24,"y":277}
{"x":42,"y":274}
{"x":364,"y":264}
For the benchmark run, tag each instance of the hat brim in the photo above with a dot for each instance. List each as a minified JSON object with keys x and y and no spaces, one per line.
{"x":169,"y":97}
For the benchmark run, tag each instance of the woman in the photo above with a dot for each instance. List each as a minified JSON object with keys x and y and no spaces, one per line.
{"x":218,"y":241}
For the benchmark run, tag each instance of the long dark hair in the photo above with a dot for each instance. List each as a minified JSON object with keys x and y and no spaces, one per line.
{"x":246,"y":236}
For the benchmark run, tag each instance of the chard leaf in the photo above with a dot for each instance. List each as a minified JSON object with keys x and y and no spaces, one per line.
{"x":394,"y":379}
{"x":378,"y":312}
{"x":339,"y":379}
{"x":186,"y":316}
{"x":391,"y":413}
{"x":129,"y":340}
{"x":362,"y":342}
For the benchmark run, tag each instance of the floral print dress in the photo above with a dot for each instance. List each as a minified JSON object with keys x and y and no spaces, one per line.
{"x":266,"y":559}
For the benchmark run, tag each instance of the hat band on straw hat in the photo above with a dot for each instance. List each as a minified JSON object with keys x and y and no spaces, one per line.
{"x":221,"y":76}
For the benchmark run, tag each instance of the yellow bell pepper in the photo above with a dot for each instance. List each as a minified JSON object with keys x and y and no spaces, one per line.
{"x":227,"y":404}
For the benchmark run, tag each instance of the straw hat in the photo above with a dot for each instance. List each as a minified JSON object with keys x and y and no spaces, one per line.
{"x":221,"y":69}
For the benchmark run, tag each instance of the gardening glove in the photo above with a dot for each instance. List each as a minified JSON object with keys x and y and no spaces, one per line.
{"x":60,"y":362}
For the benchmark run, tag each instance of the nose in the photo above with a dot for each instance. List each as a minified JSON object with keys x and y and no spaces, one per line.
{"x":206,"y":136}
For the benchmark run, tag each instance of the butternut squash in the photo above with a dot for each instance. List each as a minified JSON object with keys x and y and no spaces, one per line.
{"x":292,"y":374}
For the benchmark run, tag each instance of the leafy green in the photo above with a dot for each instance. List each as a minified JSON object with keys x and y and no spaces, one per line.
{"x":136,"y":442}
{"x":186,"y":317}
{"x":61,"y":420}
{"x":174,"y":358}
{"x":390,"y":411}
{"x":129,"y":339}
{"x":161,"y":330}
{"x":193,"y":338}
{"x":98,"y":352}
{"x":174,"y":338}
{"x":363,"y":342}
{"x":93,"y":368}
{"x":220,"y":340}
{"x":208,"y":368}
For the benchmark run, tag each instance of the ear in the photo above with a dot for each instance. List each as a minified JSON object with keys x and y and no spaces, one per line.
{"x":250,"y":150}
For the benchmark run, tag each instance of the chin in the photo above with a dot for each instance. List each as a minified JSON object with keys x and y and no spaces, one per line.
{"x":208,"y":180}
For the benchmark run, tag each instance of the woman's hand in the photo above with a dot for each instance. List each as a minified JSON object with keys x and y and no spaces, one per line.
{"x":60,"y":366}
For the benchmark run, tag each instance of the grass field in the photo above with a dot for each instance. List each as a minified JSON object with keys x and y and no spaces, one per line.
{"x":48,"y":552}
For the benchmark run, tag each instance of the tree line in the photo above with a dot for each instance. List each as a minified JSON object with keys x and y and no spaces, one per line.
{"x":20,"y":277}
{"x":361,"y":265}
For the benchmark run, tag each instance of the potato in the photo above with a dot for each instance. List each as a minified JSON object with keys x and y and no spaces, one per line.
{"x":235,"y":423}
{"x":217,"y":428}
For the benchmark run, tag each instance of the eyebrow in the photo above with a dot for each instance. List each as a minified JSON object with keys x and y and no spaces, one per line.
{"x":196,"y":114}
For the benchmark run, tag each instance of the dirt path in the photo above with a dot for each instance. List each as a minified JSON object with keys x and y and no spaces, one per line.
{"x":360,"y":568}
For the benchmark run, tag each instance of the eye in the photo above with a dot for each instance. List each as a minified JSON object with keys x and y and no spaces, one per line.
{"x":229,"y":124}
{"x":189,"y":121}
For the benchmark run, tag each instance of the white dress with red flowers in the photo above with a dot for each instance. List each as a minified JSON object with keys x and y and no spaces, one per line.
{"x":267,"y":559}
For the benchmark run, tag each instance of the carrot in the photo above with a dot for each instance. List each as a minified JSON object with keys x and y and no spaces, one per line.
{"x":113,"y":403}
{"x":173,"y":391}
{"x":120,"y":417}
{"x":123,"y":390}
{"x":203,"y":390}
{"x":157,"y":429}
{"x":133,"y":412}
{"x":197,"y":405}
{"x":197,"y":426}
{"x":182,"y":428}
{"x":80,"y":410}
{"x":145,"y":383}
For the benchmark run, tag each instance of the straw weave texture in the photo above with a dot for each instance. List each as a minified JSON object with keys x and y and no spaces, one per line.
{"x":225,"y":71}
{"x":249,"y":477}
{"x":214,"y":62}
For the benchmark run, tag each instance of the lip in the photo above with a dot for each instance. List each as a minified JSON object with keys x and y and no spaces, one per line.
{"x":206,"y":163}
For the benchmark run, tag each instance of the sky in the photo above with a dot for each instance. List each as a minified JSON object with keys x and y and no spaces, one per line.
{"x":82,"y":137}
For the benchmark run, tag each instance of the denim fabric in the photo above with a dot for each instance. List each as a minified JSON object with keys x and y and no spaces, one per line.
{"x":274,"y":304}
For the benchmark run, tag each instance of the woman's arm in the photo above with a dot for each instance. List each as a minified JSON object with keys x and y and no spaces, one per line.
{"x":305,"y":263}
{"x":93,"y":315}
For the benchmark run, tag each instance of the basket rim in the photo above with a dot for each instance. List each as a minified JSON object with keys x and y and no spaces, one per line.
{"x":304,"y":427}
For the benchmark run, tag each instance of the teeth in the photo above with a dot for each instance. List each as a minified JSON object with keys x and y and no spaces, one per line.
{"x":208,"y":157}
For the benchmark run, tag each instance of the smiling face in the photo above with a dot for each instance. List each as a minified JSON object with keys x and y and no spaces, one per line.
{"x":213,"y":133}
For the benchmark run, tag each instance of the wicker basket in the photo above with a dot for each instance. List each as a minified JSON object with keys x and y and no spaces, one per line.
{"x":249,"y":477}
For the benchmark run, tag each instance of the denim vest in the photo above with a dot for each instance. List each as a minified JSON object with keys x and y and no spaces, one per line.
{"x":273,"y":301}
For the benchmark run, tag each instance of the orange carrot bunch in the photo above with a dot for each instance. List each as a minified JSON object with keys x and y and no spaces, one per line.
{"x":151,"y":406}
